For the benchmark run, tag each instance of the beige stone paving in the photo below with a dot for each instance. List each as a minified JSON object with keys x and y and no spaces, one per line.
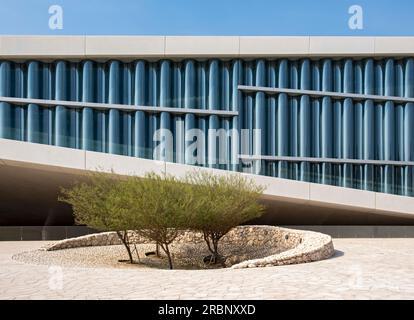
{"x":361,"y":269}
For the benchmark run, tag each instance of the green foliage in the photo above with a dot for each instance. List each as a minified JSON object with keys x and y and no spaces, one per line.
{"x":222,"y":202}
{"x":160,"y":205}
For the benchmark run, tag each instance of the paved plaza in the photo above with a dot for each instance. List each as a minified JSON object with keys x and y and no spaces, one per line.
{"x":360,"y":269}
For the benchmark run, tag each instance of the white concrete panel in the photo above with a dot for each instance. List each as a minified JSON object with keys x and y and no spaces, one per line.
{"x":342,"y":196}
{"x":124,"y":46}
{"x":97,"y":161}
{"x":42,"y":46}
{"x":394,"y":45}
{"x":339,"y":46}
{"x":273,"y":46}
{"x":11,"y":150}
{"x":284,"y":188}
{"x":201,"y":46}
{"x":394,"y":203}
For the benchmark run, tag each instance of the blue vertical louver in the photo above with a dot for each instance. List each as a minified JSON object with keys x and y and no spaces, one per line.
{"x":291,"y":125}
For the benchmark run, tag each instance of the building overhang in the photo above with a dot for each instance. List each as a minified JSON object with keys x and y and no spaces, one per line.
{"x":32,"y":175}
{"x":128,"y":48}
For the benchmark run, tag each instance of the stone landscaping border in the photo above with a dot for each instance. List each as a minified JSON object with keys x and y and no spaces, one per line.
{"x":297,"y":246}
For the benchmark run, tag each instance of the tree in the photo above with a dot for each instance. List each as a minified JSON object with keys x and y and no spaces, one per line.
{"x":98,"y":204}
{"x":221,"y":202}
{"x":161,"y":205}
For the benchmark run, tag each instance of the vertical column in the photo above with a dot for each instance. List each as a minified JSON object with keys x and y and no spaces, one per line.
{"x":236,"y":105}
{"x":409,"y":127}
{"x":316,"y":168}
{"x":19,"y":111}
{"x":399,"y":128}
{"x":271,"y":168}
{"x":126,"y":116}
{"x":61,"y":113}
{"x":358,"y":127}
{"x":87,"y":113}
{"x":224,"y":140}
{"x":114,"y":132}
{"x":213,"y":104}
{"x":379,"y":127}
{"x":202,"y":104}
{"x":305,"y":121}
{"x":369,"y":125}
{"x":177,"y":102}
{"x":247,"y":140}
{"x":389,"y":126}
{"x":165,"y":101}
{"x":189,"y":98}
{"x":101,"y":116}
{"x":348,"y":124}
{"x":337,"y":124}
{"x":283,"y":134}
{"x":47,"y":113}
{"x":33,"y":112}
{"x":259,"y":143}
{"x":140,"y":121}
{"x":6,"y":130}
{"x":327,"y":122}
{"x":153,"y":95}
{"x":294,"y":110}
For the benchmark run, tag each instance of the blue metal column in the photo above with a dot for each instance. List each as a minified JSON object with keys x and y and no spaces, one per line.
{"x":47,"y":113}
{"x":294,"y":107}
{"x":189,"y":98}
{"x":283,"y":135}
{"x":379,"y":127}
{"x":202,"y":98}
{"x":87,"y":113}
{"x":259,"y":143}
{"x":213,"y":104}
{"x":114,"y":132}
{"x":19,"y":92}
{"x":165,"y":101}
{"x":153,"y":99}
{"x":6,"y":118}
{"x":316,"y":168}
{"x":126,"y":116}
{"x":61,"y":122}
{"x":369,"y":126}
{"x":409,"y":128}
{"x":337,"y":124}
{"x":327,"y":122}
{"x":271,"y":168}
{"x":358,"y":126}
{"x":247,"y":141}
{"x":305,"y":120}
{"x":225,"y":122}
{"x":33,"y":112}
{"x":178,"y":125}
{"x":399,"y":128}
{"x":389,"y":126}
{"x":348,"y":124}
{"x":140,"y":123}
{"x":236,"y":105}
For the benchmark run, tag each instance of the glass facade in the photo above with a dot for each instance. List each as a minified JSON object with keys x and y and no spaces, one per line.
{"x":289,"y":125}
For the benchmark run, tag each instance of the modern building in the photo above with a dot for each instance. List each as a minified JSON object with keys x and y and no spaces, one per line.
{"x":326,"y":123}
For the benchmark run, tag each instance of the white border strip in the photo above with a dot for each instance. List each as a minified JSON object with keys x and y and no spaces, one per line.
{"x":326,"y":160}
{"x":123,"y":107}
{"x":333,"y":95}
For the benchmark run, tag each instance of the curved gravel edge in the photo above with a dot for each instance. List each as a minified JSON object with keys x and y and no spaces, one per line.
{"x":314,"y":246}
{"x":300,"y":246}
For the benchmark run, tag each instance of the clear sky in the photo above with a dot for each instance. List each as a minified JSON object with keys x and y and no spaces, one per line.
{"x":207,"y":17}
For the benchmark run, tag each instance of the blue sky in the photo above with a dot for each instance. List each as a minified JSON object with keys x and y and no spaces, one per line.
{"x":207,"y":17}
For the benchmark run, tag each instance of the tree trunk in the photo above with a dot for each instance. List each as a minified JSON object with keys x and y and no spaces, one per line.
{"x":166,"y":249}
{"x":123,"y":235}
